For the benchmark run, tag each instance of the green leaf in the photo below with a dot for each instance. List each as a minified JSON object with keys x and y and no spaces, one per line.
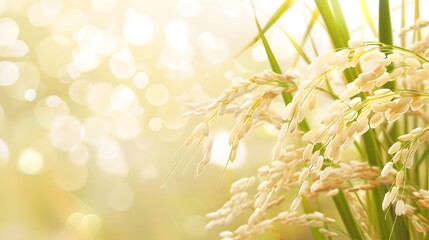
{"x":286,"y":5}
{"x":297,"y":48}
{"x":368,"y":17}
{"x":337,"y":28}
{"x":314,"y":16}
{"x":287,"y":98}
{"x":341,"y":22}
{"x":384,"y":23}
{"x":417,"y":16}
{"x":307,"y":209}
{"x":347,"y":216}
{"x":332,"y":25}
{"x":403,"y":17}
{"x":273,"y":62}
{"x":377,"y":215}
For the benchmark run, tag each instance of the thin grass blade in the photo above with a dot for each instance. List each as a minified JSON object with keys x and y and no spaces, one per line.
{"x":283,"y":8}
{"x":403,"y":18}
{"x":314,"y":16}
{"x":384,"y":23}
{"x":297,"y":48}
{"x":367,"y":15}
{"x":347,"y":216}
{"x":314,"y":231}
{"x":272,"y":60}
{"x":331,"y":23}
{"x":417,"y":16}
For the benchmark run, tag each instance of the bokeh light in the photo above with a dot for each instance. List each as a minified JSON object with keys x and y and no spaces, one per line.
{"x":127,"y":126}
{"x":138,"y":28}
{"x":9,"y":73}
{"x":69,"y":176}
{"x":30,"y":161}
{"x":189,"y":8}
{"x":177,"y":34}
{"x":110,"y":157}
{"x":122,"y":98}
{"x":4,"y":152}
{"x":149,"y":172}
{"x":258,"y":53}
{"x":221,"y":150}
{"x":9,"y":31}
{"x":140,"y":80}
{"x":30,"y":94}
{"x":155,"y":124}
{"x":104,"y":5}
{"x":50,"y":109}
{"x":122,"y":64}
{"x":157,"y":94}
{"x":120,"y":197}
{"x":66,"y":133}
{"x":96,"y":129}
{"x":79,"y":90}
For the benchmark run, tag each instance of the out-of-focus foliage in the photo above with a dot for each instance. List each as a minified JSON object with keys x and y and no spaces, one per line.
{"x":91,"y":101}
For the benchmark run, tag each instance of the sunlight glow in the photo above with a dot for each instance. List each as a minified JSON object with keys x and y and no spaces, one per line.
{"x":127,"y":126}
{"x":122,"y":64}
{"x":16,"y":49}
{"x":140,"y":80}
{"x":177,"y":34}
{"x":155,"y":124}
{"x":122,"y":98}
{"x":120,"y":197}
{"x":9,"y":31}
{"x":9,"y":73}
{"x":4,"y":152}
{"x":67,"y":133}
{"x":30,"y":161}
{"x":259,"y":54}
{"x":104,"y":5}
{"x":30,"y":94}
{"x":189,"y":8}
{"x":51,"y":8}
{"x":157,"y":94}
{"x":138,"y":28}
{"x":220,"y":151}
{"x":50,"y":109}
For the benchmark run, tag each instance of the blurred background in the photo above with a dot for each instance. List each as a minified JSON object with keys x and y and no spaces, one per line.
{"x":92,"y":94}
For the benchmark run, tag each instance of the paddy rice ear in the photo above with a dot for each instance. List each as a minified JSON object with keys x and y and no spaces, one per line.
{"x":365,"y":115}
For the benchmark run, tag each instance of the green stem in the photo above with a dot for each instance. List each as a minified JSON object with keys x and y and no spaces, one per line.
{"x":417,"y":16}
{"x":373,"y":155}
{"x":347,"y":216}
{"x":334,"y":22}
{"x":385,"y":31}
{"x":386,"y":37}
{"x":384,"y":22}
{"x":287,"y":97}
{"x":314,"y":231}
{"x":403,"y":6}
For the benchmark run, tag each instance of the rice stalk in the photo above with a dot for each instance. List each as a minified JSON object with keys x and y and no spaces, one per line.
{"x":377,"y":196}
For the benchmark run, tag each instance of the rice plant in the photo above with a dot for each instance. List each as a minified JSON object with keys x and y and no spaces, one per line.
{"x":377,"y":109}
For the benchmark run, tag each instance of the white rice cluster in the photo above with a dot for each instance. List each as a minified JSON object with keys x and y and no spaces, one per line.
{"x":249,"y":101}
{"x":247,"y":231}
{"x":316,"y":163}
{"x":420,"y":47}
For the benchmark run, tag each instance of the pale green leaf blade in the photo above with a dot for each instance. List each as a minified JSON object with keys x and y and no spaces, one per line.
{"x":272,"y":60}
{"x":367,"y":15}
{"x":297,"y":48}
{"x":284,"y":7}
